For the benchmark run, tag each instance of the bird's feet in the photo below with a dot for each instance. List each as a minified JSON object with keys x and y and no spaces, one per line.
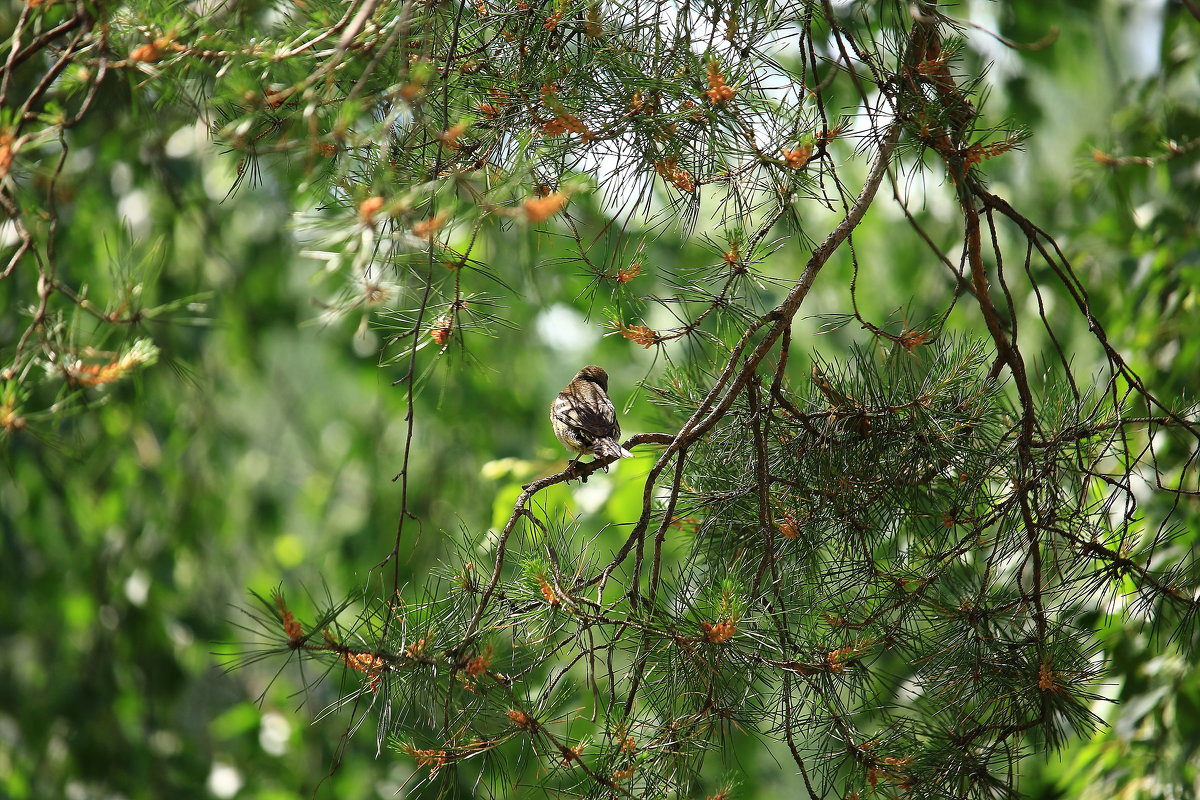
{"x":574,"y":470}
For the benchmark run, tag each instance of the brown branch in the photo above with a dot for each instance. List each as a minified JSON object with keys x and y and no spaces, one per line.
{"x":1059,"y":264}
{"x":580,"y":471}
{"x":31,"y":49}
{"x":715,"y":404}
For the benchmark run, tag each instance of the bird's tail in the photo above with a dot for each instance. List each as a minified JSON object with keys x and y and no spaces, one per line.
{"x":610,"y":448}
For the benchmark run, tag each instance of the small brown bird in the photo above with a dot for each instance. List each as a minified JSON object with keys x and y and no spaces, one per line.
{"x":584,"y":419}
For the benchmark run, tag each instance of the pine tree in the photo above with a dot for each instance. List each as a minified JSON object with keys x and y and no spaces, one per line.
{"x":888,"y":569}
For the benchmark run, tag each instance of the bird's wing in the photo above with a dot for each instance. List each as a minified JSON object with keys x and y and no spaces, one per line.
{"x":593,"y":415}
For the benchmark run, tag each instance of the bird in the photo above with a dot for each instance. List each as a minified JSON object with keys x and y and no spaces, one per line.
{"x":584,"y":418}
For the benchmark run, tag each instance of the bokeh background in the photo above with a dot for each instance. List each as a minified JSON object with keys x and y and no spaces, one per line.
{"x":259,"y":452}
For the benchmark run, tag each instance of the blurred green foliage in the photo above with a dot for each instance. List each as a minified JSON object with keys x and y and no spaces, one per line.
{"x":259,"y":451}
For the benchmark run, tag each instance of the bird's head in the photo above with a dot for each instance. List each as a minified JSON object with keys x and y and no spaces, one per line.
{"x":595,"y":375}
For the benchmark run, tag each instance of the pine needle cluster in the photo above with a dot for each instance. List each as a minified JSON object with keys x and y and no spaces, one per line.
{"x":864,"y":581}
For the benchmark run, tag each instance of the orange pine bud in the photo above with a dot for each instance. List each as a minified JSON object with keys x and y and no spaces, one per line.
{"x":521,"y":719}
{"x":150,"y":51}
{"x":428,"y":228}
{"x":789,"y":526}
{"x":626,"y":274}
{"x":640,"y":334}
{"x":441,"y":331}
{"x":368,"y":208}
{"x":797,"y":158}
{"x":722,"y":631}
{"x":538,"y":209}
